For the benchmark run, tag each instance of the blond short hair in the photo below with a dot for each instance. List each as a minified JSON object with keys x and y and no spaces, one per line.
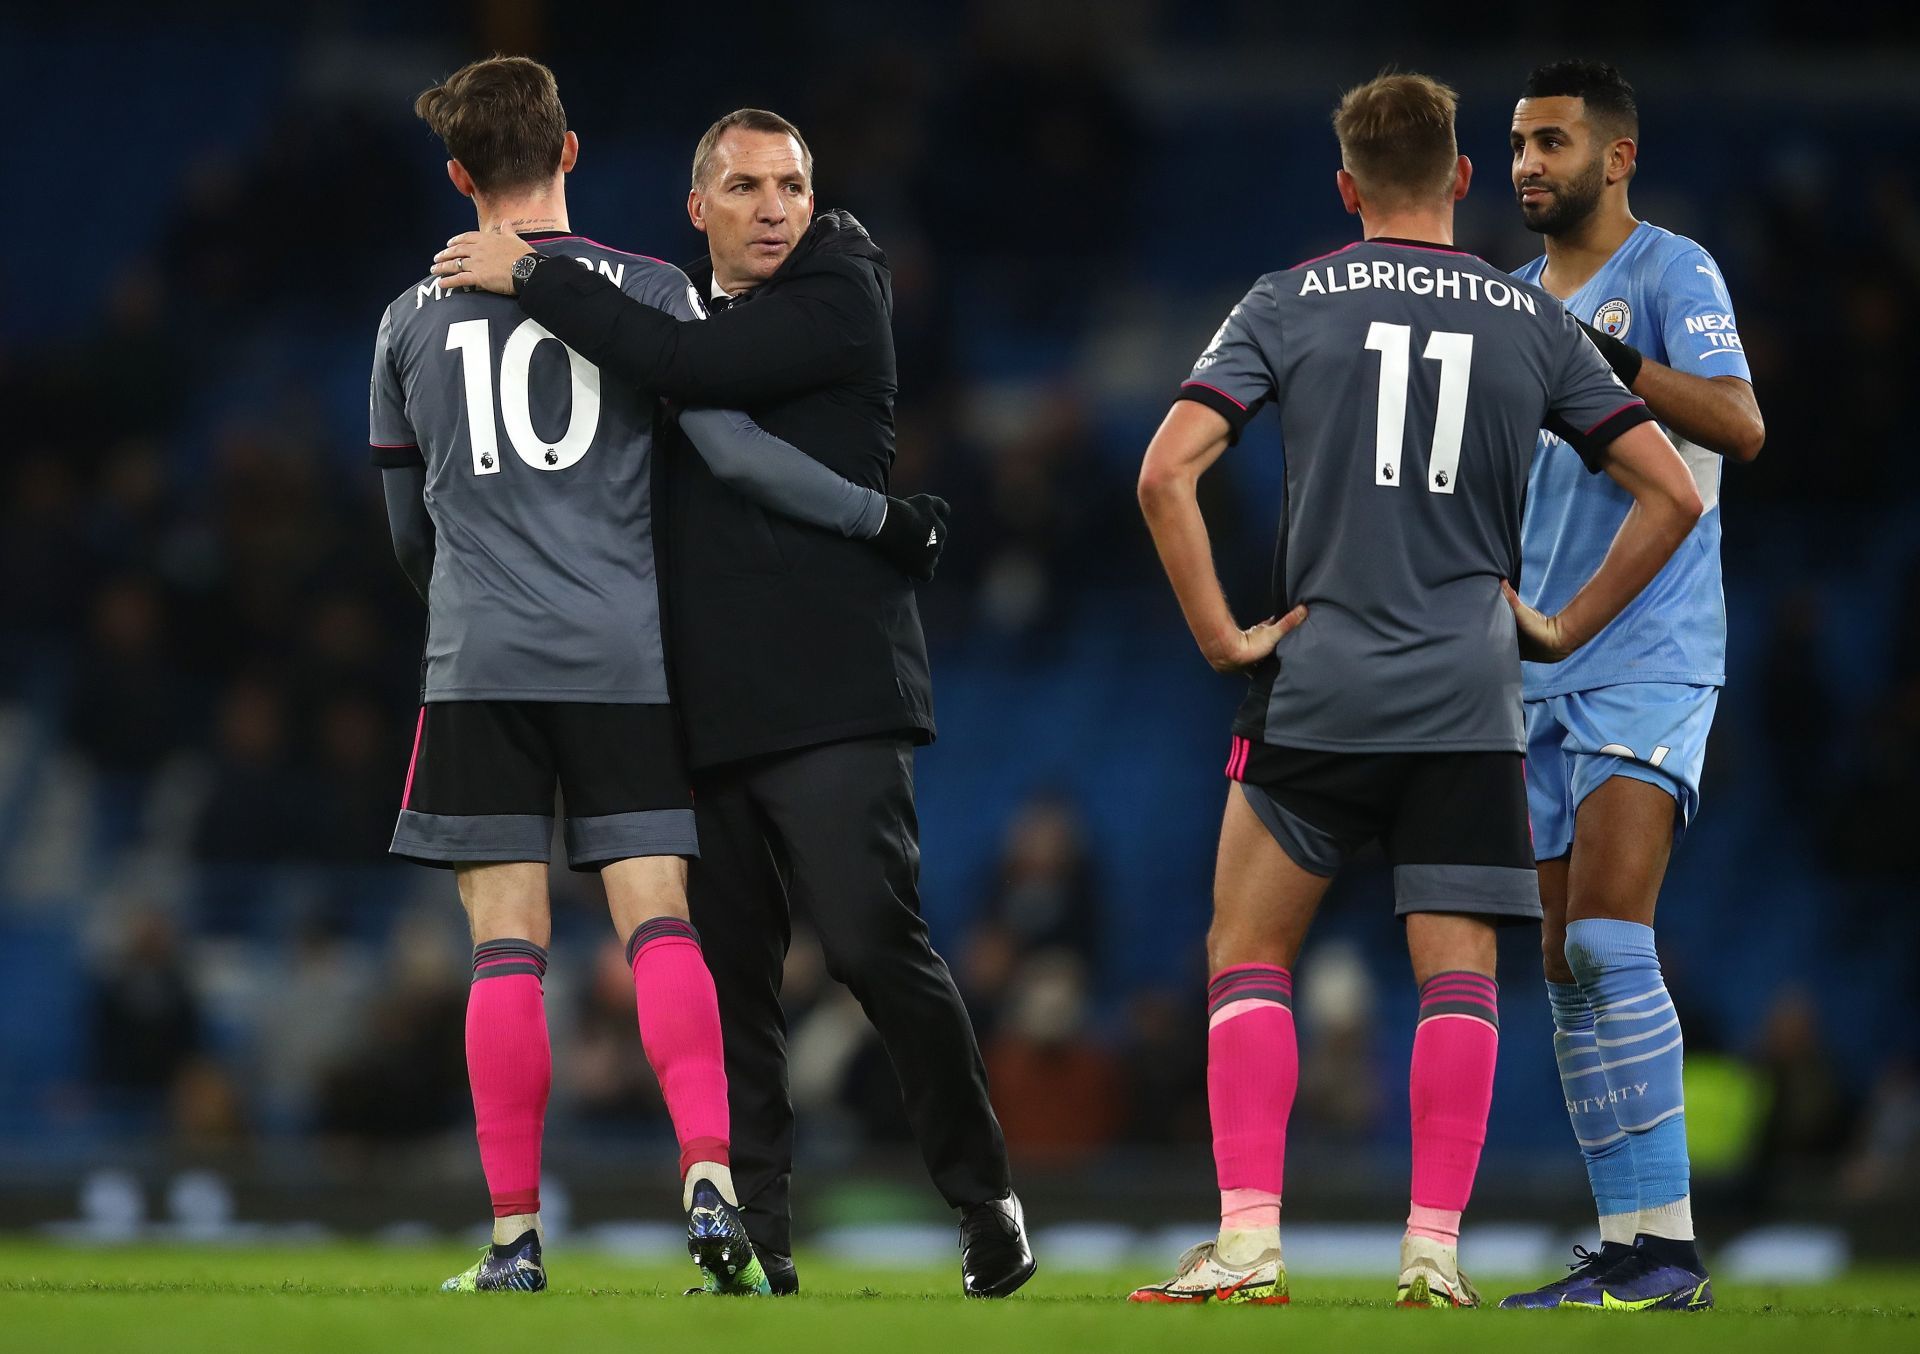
{"x":1396,"y":136}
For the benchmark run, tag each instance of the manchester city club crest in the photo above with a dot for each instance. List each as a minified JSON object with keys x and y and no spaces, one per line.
{"x":1613,"y":317}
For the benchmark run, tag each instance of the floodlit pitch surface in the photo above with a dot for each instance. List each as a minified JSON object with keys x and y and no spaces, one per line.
{"x":337,"y":1298}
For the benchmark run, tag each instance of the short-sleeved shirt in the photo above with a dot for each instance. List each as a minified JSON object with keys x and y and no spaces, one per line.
{"x":1411,"y":380}
{"x":538,"y":482}
{"x":1664,"y":295}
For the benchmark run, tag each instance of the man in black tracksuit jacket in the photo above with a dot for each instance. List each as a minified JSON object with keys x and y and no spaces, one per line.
{"x":801,"y":673}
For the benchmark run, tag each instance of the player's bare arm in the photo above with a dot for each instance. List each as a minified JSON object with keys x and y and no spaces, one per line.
{"x":1719,"y":413}
{"x":1666,"y":504}
{"x":1190,"y":440}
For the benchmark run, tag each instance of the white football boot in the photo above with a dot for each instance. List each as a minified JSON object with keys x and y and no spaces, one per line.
{"x":1430,"y":1275}
{"x":1203,"y":1277}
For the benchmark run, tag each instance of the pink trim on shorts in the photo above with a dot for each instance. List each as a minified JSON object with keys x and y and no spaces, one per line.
{"x":406,"y":795}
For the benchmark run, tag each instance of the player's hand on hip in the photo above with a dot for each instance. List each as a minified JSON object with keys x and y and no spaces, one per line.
{"x":1243,"y":648}
{"x":482,"y":259}
{"x":1541,"y":639}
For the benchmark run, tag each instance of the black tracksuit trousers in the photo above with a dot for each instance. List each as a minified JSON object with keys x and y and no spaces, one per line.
{"x":835,"y":825}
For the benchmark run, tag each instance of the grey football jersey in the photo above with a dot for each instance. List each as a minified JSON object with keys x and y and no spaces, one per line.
{"x":539,"y":486}
{"x":1411,"y":381}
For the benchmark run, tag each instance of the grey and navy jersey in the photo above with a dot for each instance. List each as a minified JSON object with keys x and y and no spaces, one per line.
{"x":538,"y":483}
{"x":1411,"y":381}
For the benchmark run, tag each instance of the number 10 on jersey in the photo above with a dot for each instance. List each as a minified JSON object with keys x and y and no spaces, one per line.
{"x":1454,"y":353}
{"x":470,"y":339}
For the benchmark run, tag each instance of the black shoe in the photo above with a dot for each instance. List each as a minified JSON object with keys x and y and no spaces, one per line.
{"x":782,"y":1278}
{"x":994,"y":1256}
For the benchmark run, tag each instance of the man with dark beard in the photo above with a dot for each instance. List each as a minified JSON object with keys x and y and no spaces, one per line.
{"x":1617,"y":733}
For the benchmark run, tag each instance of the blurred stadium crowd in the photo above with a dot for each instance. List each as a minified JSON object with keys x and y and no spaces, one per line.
{"x":208,"y":670}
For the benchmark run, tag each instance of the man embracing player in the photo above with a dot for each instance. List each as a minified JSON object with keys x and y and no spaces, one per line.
{"x":519,"y":491}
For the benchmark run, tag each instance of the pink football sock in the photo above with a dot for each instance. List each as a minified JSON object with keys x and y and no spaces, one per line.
{"x":1253,"y":1068}
{"x":680,"y":1030}
{"x":1451,"y":1089}
{"x":510,"y":1067}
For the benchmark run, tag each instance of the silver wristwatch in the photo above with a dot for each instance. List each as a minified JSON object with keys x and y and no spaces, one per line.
{"x":523,"y":269}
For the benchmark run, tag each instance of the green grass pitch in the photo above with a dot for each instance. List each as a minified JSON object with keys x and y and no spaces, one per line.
{"x":346,"y":1299}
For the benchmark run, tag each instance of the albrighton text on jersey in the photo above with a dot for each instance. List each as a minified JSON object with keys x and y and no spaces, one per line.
{"x":1418,"y":279}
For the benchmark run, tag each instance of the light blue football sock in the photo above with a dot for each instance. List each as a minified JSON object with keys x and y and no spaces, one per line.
{"x":1595,"y":1127}
{"x":1637,"y":1034}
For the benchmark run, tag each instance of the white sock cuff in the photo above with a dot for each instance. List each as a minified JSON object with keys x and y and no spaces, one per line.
{"x":1671,"y":1222}
{"x":1619,"y":1228}
{"x":1239,"y":1247}
{"x":720,"y":1176}
{"x":511,"y":1228}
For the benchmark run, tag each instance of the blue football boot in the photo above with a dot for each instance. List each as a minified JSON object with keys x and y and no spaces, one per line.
{"x":515,"y":1268}
{"x":1660,"y":1276}
{"x":717,"y":1241}
{"x":1587,"y":1267}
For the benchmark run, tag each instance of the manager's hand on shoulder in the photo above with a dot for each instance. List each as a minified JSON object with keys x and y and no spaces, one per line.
{"x":913,"y":534}
{"x":482,"y":259}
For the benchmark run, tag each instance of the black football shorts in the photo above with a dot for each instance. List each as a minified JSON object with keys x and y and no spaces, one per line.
{"x":1452,"y":824}
{"x":481,"y":783}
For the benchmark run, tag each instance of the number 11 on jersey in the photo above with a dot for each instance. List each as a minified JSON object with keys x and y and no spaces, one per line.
{"x":1454,"y":353}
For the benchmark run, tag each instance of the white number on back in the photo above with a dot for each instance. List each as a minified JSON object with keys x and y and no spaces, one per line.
{"x":1454,"y":353}
{"x":469,"y":338}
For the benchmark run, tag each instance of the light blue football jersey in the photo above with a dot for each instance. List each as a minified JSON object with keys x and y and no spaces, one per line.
{"x":1663,"y":294}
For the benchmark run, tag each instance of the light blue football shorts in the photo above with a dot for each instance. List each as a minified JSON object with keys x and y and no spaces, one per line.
{"x":1651,"y":731}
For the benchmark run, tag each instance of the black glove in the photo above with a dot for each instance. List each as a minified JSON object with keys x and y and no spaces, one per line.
{"x":913,"y":534}
{"x":1624,"y":358}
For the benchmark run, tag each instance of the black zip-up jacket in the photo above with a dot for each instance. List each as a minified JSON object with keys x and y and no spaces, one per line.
{"x":780,"y":636}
